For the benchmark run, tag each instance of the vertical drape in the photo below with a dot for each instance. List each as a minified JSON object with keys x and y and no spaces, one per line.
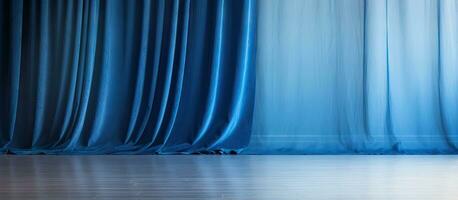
{"x":119,"y":76}
{"x":178,"y":76}
{"x":356,"y":76}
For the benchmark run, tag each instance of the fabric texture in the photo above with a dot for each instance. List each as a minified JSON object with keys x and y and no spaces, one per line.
{"x":356,"y":76}
{"x":179,"y":76}
{"x":119,"y":76}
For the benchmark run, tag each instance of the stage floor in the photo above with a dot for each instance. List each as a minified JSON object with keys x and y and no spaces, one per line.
{"x":229,"y":177}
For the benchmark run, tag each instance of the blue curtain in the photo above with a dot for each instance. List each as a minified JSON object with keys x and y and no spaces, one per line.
{"x":120,"y":76}
{"x":356,"y":76}
{"x":178,"y":76}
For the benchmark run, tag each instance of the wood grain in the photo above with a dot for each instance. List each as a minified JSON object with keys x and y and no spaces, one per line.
{"x":228,"y":177}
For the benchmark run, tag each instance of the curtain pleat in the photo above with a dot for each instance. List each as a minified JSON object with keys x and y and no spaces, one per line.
{"x":178,"y":76}
{"x":356,"y":76}
{"x":118,"y":76}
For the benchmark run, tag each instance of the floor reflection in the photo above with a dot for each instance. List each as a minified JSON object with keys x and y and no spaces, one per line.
{"x":229,"y":177}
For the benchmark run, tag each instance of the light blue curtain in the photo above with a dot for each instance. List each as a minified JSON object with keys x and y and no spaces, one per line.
{"x":356,"y":76}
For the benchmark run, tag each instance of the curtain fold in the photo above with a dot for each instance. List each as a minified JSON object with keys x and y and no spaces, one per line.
{"x":178,"y":76}
{"x":356,"y":76}
{"x":122,"y":76}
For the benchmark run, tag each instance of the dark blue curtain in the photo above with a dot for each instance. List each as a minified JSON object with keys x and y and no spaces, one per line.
{"x":120,"y":76}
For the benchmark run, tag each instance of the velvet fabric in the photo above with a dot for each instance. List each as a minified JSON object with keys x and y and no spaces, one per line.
{"x":121,"y":76}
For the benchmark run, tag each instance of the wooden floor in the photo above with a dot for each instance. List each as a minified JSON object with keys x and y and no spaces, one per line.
{"x":228,"y":177}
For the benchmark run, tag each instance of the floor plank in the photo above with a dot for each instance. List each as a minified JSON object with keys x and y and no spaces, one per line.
{"x":228,"y":177}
